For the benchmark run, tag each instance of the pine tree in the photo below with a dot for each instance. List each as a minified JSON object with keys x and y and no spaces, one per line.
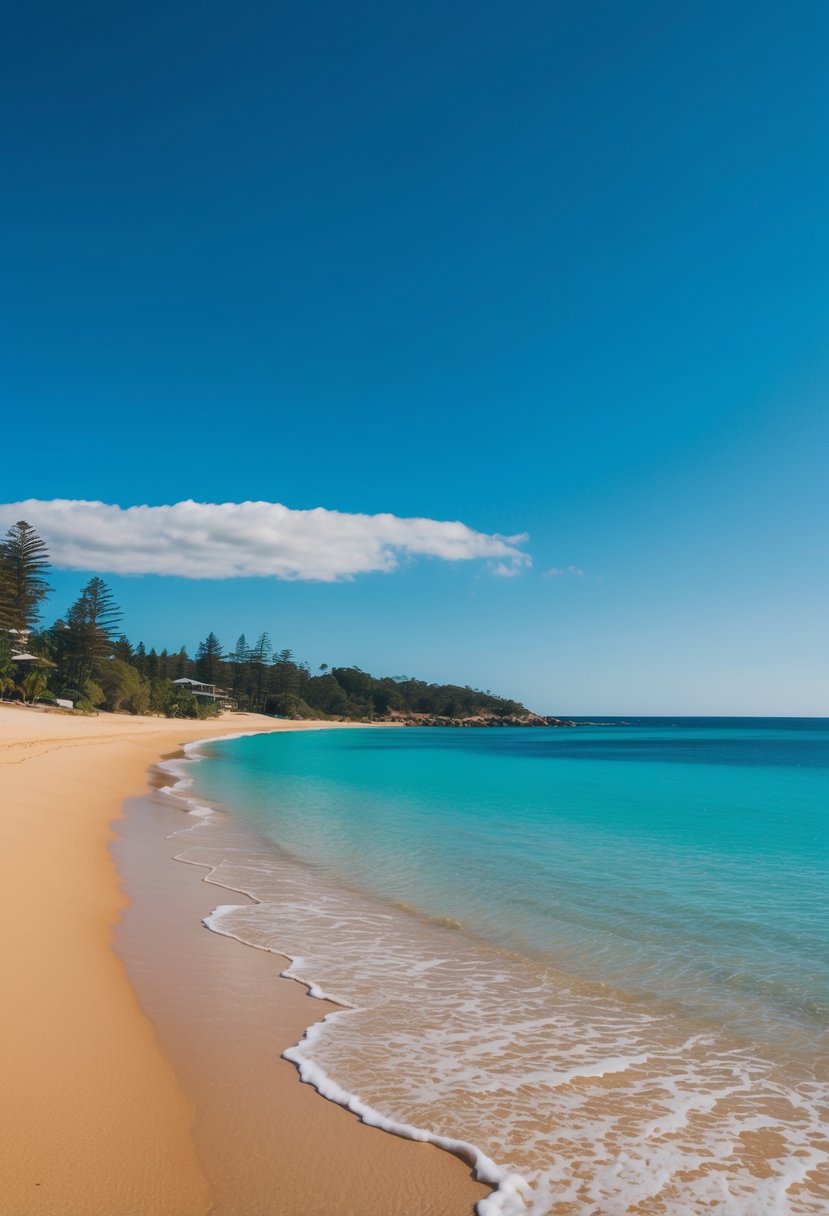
{"x":181,"y":664}
{"x":139,"y":659}
{"x":91,"y":625}
{"x":285,"y":679}
{"x":209,"y":660}
{"x":152,"y":664}
{"x":241,"y":651}
{"x":123,"y":650}
{"x":259,"y":656}
{"x":24,"y":563}
{"x":240,"y":671}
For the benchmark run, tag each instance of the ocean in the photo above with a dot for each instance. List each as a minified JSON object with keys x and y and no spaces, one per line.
{"x":595,"y":960}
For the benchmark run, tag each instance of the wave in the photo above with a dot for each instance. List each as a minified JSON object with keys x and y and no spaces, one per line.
{"x":566,"y":1097}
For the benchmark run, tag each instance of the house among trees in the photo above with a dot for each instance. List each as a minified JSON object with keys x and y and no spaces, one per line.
{"x":18,"y":640}
{"x":84,"y":662}
{"x":208,"y":692}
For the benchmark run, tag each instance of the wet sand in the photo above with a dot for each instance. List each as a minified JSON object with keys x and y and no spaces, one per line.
{"x":120,"y":1100}
{"x":224,"y":1015}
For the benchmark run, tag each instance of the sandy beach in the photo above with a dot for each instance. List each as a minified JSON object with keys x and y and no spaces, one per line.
{"x":104,"y":1112}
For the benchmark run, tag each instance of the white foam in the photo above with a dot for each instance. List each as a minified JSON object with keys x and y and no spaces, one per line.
{"x":562,"y":1098}
{"x":180,"y":768}
{"x":313,"y":1074}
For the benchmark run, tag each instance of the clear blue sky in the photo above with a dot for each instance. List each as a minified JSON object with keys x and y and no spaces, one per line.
{"x":556,"y":268}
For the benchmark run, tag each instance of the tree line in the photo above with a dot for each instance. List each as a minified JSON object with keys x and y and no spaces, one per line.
{"x":86,"y":658}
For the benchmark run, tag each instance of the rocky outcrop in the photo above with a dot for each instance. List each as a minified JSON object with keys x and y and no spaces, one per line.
{"x":480,"y":720}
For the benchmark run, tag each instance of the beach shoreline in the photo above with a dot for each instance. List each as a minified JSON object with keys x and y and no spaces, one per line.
{"x":97,"y":1119}
{"x":544,"y":1071}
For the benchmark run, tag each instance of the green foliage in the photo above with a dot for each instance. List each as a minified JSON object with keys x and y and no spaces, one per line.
{"x":209,"y":660}
{"x":181,"y":664}
{"x":256,"y":669}
{"x":348,"y":692}
{"x":123,"y":650}
{"x":123,"y":688}
{"x":7,"y":685}
{"x":93,"y":693}
{"x":160,"y":693}
{"x":139,"y":659}
{"x":284,"y":682}
{"x":165,"y":697}
{"x":329,"y":696}
{"x":296,"y":707}
{"x":71,"y":694}
{"x":87,"y":638}
{"x":24,"y":564}
{"x":6,"y":664}
{"x":96,"y":665}
{"x":152,"y":666}
{"x":7,"y":669}
{"x":181,"y":704}
{"x":34,"y":686}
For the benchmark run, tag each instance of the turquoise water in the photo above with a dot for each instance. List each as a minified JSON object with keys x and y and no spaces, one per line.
{"x":598,"y":957}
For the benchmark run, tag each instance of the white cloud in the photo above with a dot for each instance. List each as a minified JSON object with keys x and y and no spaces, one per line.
{"x":235,"y":540}
{"x":571,"y":571}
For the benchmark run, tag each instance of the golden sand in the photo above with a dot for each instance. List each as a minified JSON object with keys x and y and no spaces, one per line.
{"x":96,"y":1118}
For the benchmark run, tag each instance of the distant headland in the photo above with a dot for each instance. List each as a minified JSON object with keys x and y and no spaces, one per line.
{"x":84,"y":662}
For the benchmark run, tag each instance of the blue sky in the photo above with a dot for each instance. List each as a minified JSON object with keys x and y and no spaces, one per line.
{"x":557,"y":270}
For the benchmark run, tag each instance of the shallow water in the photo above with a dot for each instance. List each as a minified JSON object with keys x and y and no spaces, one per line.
{"x":596,"y":958}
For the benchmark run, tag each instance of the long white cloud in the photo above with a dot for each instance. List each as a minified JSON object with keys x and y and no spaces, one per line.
{"x":233,"y":540}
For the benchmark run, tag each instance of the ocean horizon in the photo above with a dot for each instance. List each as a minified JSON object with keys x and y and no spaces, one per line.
{"x":594,"y":960}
